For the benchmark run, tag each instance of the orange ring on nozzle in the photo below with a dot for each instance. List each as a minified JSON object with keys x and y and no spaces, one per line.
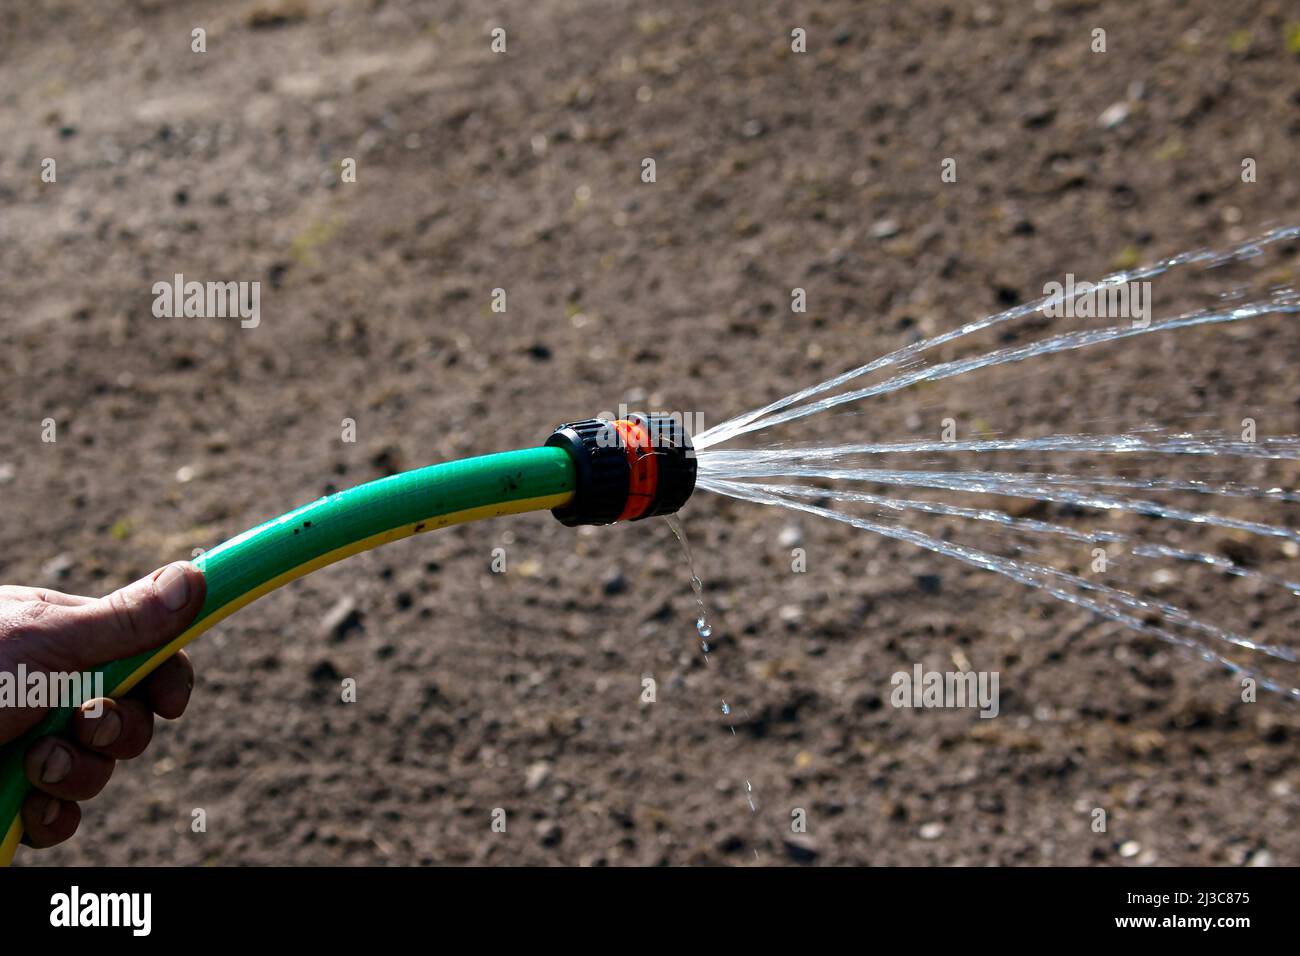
{"x":627,"y":470}
{"x":644,"y":479}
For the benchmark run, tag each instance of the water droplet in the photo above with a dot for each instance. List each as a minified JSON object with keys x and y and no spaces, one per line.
{"x":702,"y":625}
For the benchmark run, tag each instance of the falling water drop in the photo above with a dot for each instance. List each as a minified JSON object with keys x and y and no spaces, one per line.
{"x":702,"y":626}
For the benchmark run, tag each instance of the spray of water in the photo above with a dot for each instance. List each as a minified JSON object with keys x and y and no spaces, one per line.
{"x":1203,"y":258}
{"x":1122,"y":481}
{"x":1036,"y":576}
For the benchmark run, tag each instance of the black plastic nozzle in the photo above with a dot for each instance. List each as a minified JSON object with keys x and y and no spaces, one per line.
{"x":603,"y":472}
{"x":618,"y":480}
{"x":675,"y":464}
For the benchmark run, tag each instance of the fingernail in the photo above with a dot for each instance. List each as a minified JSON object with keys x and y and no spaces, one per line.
{"x":109,"y":729}
{"x":51,"y":812}
{"x":173,"y":587}
{"x":56,"y":765}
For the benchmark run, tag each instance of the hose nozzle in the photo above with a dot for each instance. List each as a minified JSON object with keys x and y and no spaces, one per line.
{"x":633,"y":468}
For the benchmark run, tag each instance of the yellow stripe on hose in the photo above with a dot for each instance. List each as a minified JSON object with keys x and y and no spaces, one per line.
{"x":338,"y":554}
{"x":544,"y":503}
{"x":10,"y":843}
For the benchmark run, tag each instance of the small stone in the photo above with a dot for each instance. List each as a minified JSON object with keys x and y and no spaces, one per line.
{"x":325,"y":671}
{"x":929,"y":583}
{"x":884,"y":229}
{"x":340,"y":619}
{"x":931,"y":831}
{"x":6,"y":472}
{"x":753,"y":129}
{"x":800,"y":847}
{"x":1038,"y":114}
{"x":1113,"y":115}
{"x":614,"y":583}
{"x":387,"y":460}
{"x":549,"y":833}
{"x":1130,"y":849}
{"x":537,"y":776}
{"x":790,"y":537}
{"x":730,"y":843}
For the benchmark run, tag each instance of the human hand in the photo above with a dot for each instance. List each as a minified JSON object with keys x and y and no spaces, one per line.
{"x":43,"y":631}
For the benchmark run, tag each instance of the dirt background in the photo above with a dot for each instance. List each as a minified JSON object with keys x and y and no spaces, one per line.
{"x":521,"y":171}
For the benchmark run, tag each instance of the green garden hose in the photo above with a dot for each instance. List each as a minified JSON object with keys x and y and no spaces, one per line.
{"x":591,"y":472}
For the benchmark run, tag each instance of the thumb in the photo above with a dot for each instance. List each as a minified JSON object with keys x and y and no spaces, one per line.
{"x":133,"y":619}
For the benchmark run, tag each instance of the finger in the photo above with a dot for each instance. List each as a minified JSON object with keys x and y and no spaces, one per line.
{"x":17,"y":592}
{"x":48,"y":820}
{"x":64,"y":770}
{"x":167,"y":690}
{"x":131,"y":620}
{"x":120,"y":729}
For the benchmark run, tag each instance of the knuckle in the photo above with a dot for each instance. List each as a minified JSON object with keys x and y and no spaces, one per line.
{"x":28,"y":622}
{"x":22,"y":631}
{"x":125,"y":614}
{"x":38,"y":612}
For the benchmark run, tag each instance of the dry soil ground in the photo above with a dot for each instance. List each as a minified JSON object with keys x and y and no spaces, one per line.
{"x":522,"y":171}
